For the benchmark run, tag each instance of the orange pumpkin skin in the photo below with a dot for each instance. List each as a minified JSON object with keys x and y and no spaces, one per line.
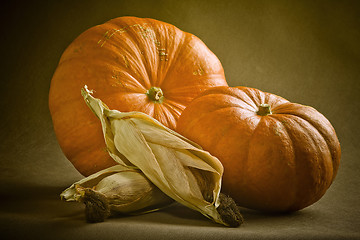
{"x":122,"y":60}
{"x":280,"y":162}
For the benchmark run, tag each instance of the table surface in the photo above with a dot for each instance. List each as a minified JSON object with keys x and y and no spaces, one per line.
{"x":305,"y":51}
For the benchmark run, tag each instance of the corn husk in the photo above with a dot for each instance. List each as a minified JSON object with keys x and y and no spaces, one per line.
{"x":125,"y":190}
{"x":176,"y":165}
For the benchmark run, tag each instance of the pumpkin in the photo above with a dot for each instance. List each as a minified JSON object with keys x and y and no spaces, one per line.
{"x":278,"y":156}
{"x":132,"y":64}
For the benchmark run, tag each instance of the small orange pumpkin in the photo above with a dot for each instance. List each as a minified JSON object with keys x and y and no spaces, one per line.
{"x":278,"y":156}
{"x":133,"y":64}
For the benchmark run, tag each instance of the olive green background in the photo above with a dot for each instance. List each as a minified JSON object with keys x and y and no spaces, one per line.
{"x":305,"y":51}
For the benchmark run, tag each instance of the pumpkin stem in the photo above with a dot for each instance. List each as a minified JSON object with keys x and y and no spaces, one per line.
{"x":155,"y":94}
{"x":264,"y":109}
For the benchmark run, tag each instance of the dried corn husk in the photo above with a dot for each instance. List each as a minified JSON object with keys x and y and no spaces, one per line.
{"x":117,"y":189}
{"x":177,"y":166}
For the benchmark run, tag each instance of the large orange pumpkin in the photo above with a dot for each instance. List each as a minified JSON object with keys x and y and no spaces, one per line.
{"x":278,"y":156}
{"x":133,"y":64}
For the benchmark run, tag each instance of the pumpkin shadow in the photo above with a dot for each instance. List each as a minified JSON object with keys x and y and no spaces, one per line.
{"x":254,"y":217}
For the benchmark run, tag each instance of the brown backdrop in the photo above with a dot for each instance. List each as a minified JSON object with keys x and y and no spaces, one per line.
{"x":305,"y":51}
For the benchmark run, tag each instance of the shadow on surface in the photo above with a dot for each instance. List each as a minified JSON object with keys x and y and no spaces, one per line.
{"x":253,"y":217}
{"x":31,"y":200}
{"x":44,"y":204}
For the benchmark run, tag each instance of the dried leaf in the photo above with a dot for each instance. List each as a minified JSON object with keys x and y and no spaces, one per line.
{"x":176,"y":165}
